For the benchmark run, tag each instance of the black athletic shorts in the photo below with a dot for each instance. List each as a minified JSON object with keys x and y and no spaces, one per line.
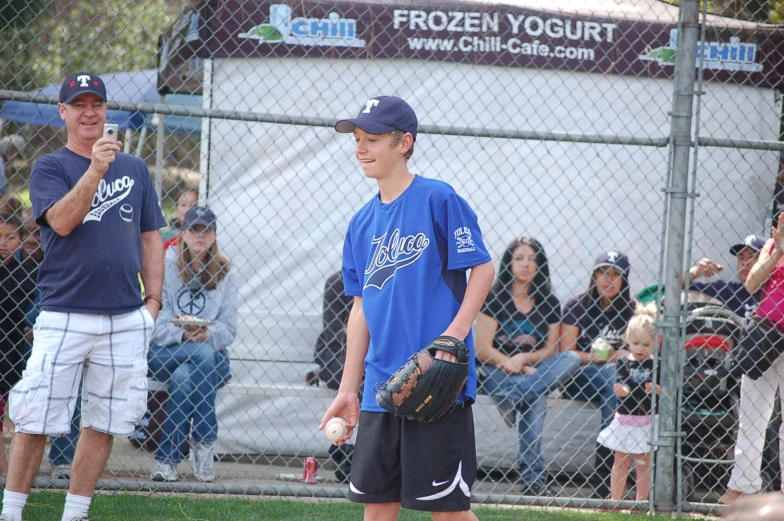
{"x":422,"y":466}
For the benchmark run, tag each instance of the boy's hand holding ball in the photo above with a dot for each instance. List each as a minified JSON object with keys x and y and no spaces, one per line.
{"x":336,"y":429}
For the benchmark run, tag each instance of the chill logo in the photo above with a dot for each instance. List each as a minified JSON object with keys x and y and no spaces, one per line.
{"x":331,"y":31}
{"x":728,"y":56}
{"x":392,"y":255}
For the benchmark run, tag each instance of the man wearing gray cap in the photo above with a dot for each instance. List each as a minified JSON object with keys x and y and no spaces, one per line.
{"x":732,"y":293}
{"x":748,"y":453}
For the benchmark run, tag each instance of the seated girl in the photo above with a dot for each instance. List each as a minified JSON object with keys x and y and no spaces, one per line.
{"x":196,"y":326}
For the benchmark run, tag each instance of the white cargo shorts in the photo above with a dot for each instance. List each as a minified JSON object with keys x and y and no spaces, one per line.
{"x":108,"y":351}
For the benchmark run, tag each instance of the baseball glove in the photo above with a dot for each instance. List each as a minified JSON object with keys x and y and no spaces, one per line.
{"x":425,"y":388}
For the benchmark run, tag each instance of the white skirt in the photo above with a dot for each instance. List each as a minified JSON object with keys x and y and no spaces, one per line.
{"x":626,"y":438}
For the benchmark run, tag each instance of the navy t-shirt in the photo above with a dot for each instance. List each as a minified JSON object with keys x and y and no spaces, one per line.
{"x":95,"y":269}
{"x":734,"y":294}
{"x":634,"y":374}
{"x":585,"y":312}
{"x":407,"y":260}
{"x":520,"y":332}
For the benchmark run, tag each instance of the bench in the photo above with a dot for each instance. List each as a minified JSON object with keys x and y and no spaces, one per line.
{"x":268,"y":409}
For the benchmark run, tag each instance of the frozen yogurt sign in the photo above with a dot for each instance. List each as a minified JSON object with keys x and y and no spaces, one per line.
{"x":493,"y":33}
{"x":723,"y":56}
{"x":331,"y":31}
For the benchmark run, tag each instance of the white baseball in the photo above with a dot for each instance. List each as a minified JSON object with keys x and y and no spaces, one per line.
{"x":336,"y":429}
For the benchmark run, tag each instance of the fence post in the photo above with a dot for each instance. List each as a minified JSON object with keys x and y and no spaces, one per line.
{"x":160,"y":151}
{"x":677,"y":192}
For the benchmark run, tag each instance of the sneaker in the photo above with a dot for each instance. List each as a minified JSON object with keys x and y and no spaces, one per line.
{"x":730,"y":497}
{"x":164,"y":472}
{"x":204,"y":461}
{"x":537,"y":488}
{"x":80,"y":518}
{"x":507,"y":409}
{"x":7,"y":517}
{"x":60,"y":471}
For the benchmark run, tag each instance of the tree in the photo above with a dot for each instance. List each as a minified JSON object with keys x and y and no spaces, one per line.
{"x":763,"y":11}
{"x":46,"y":42}
{"x":18,"y":13}
{"x":15,"y":17}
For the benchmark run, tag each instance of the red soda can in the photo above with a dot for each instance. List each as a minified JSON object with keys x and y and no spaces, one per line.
{"x":309,"y":471}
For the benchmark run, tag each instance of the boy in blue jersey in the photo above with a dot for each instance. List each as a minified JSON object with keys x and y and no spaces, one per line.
{"x":405,"y":259}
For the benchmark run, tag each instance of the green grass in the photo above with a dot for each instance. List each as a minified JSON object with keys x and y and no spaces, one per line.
{"x":48,"y":506}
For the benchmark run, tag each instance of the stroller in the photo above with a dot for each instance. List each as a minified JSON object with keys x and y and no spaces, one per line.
{"x":710,"y":394}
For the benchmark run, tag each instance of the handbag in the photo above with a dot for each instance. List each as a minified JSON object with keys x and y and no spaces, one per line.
{"x":761,"y":344}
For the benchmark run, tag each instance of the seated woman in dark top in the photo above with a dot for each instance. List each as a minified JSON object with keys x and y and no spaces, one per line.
{"x":599,"y":315}
{"x":517,"y":341}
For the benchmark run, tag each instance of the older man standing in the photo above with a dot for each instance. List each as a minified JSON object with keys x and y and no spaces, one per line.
{"x":732,"y":293}
{"x":99,"y":219}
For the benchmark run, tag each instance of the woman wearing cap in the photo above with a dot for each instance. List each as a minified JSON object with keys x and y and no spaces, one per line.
{"x":193,"y":359}
{"x":517,"y":341}
{"x":762,"y":366}
{"x":592,"y":322}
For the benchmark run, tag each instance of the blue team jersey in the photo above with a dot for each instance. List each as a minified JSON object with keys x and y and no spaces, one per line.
{"x":408,"y":261}
{"x":95,"y":269}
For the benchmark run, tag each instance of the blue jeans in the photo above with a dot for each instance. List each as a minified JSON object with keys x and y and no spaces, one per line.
{"x":63,"y":448}
{"x":194,"y":373}
{"x":594,"y":383}
{"x":528,"y":395}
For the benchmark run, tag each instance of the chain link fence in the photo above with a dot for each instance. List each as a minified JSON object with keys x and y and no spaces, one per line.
{"x":634,"y":143}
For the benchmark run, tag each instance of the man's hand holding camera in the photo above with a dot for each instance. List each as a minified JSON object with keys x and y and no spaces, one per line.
{"x":104,"y":152}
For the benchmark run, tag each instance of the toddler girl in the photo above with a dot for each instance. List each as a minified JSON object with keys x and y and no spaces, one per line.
{"x":629,"y":432}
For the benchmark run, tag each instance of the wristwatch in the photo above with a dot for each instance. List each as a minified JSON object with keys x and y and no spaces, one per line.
{"x":156,"y":298}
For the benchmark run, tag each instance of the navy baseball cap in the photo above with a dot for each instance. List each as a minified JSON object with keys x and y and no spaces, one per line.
{"x":613,"y":259}
{"x":82,"y":83}
{"x":381,"y":115}
{"x":753,"y":242}
{"x":199,"y":215}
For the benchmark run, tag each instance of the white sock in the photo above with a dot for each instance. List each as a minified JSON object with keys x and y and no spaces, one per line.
{"x":75,"y":506}
{"x":14,"y":503}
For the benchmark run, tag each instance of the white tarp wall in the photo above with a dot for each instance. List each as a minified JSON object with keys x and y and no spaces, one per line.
{"x":291,"y":190}
{"x":284,"y":195}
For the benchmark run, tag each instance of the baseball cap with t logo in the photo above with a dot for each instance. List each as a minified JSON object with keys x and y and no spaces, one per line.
{"x":81,"y":83}
{"x":381,"y":115}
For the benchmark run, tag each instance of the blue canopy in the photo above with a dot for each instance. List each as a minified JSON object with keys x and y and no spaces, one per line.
{"x":181,"y":124}
{"x":134,"y":87}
